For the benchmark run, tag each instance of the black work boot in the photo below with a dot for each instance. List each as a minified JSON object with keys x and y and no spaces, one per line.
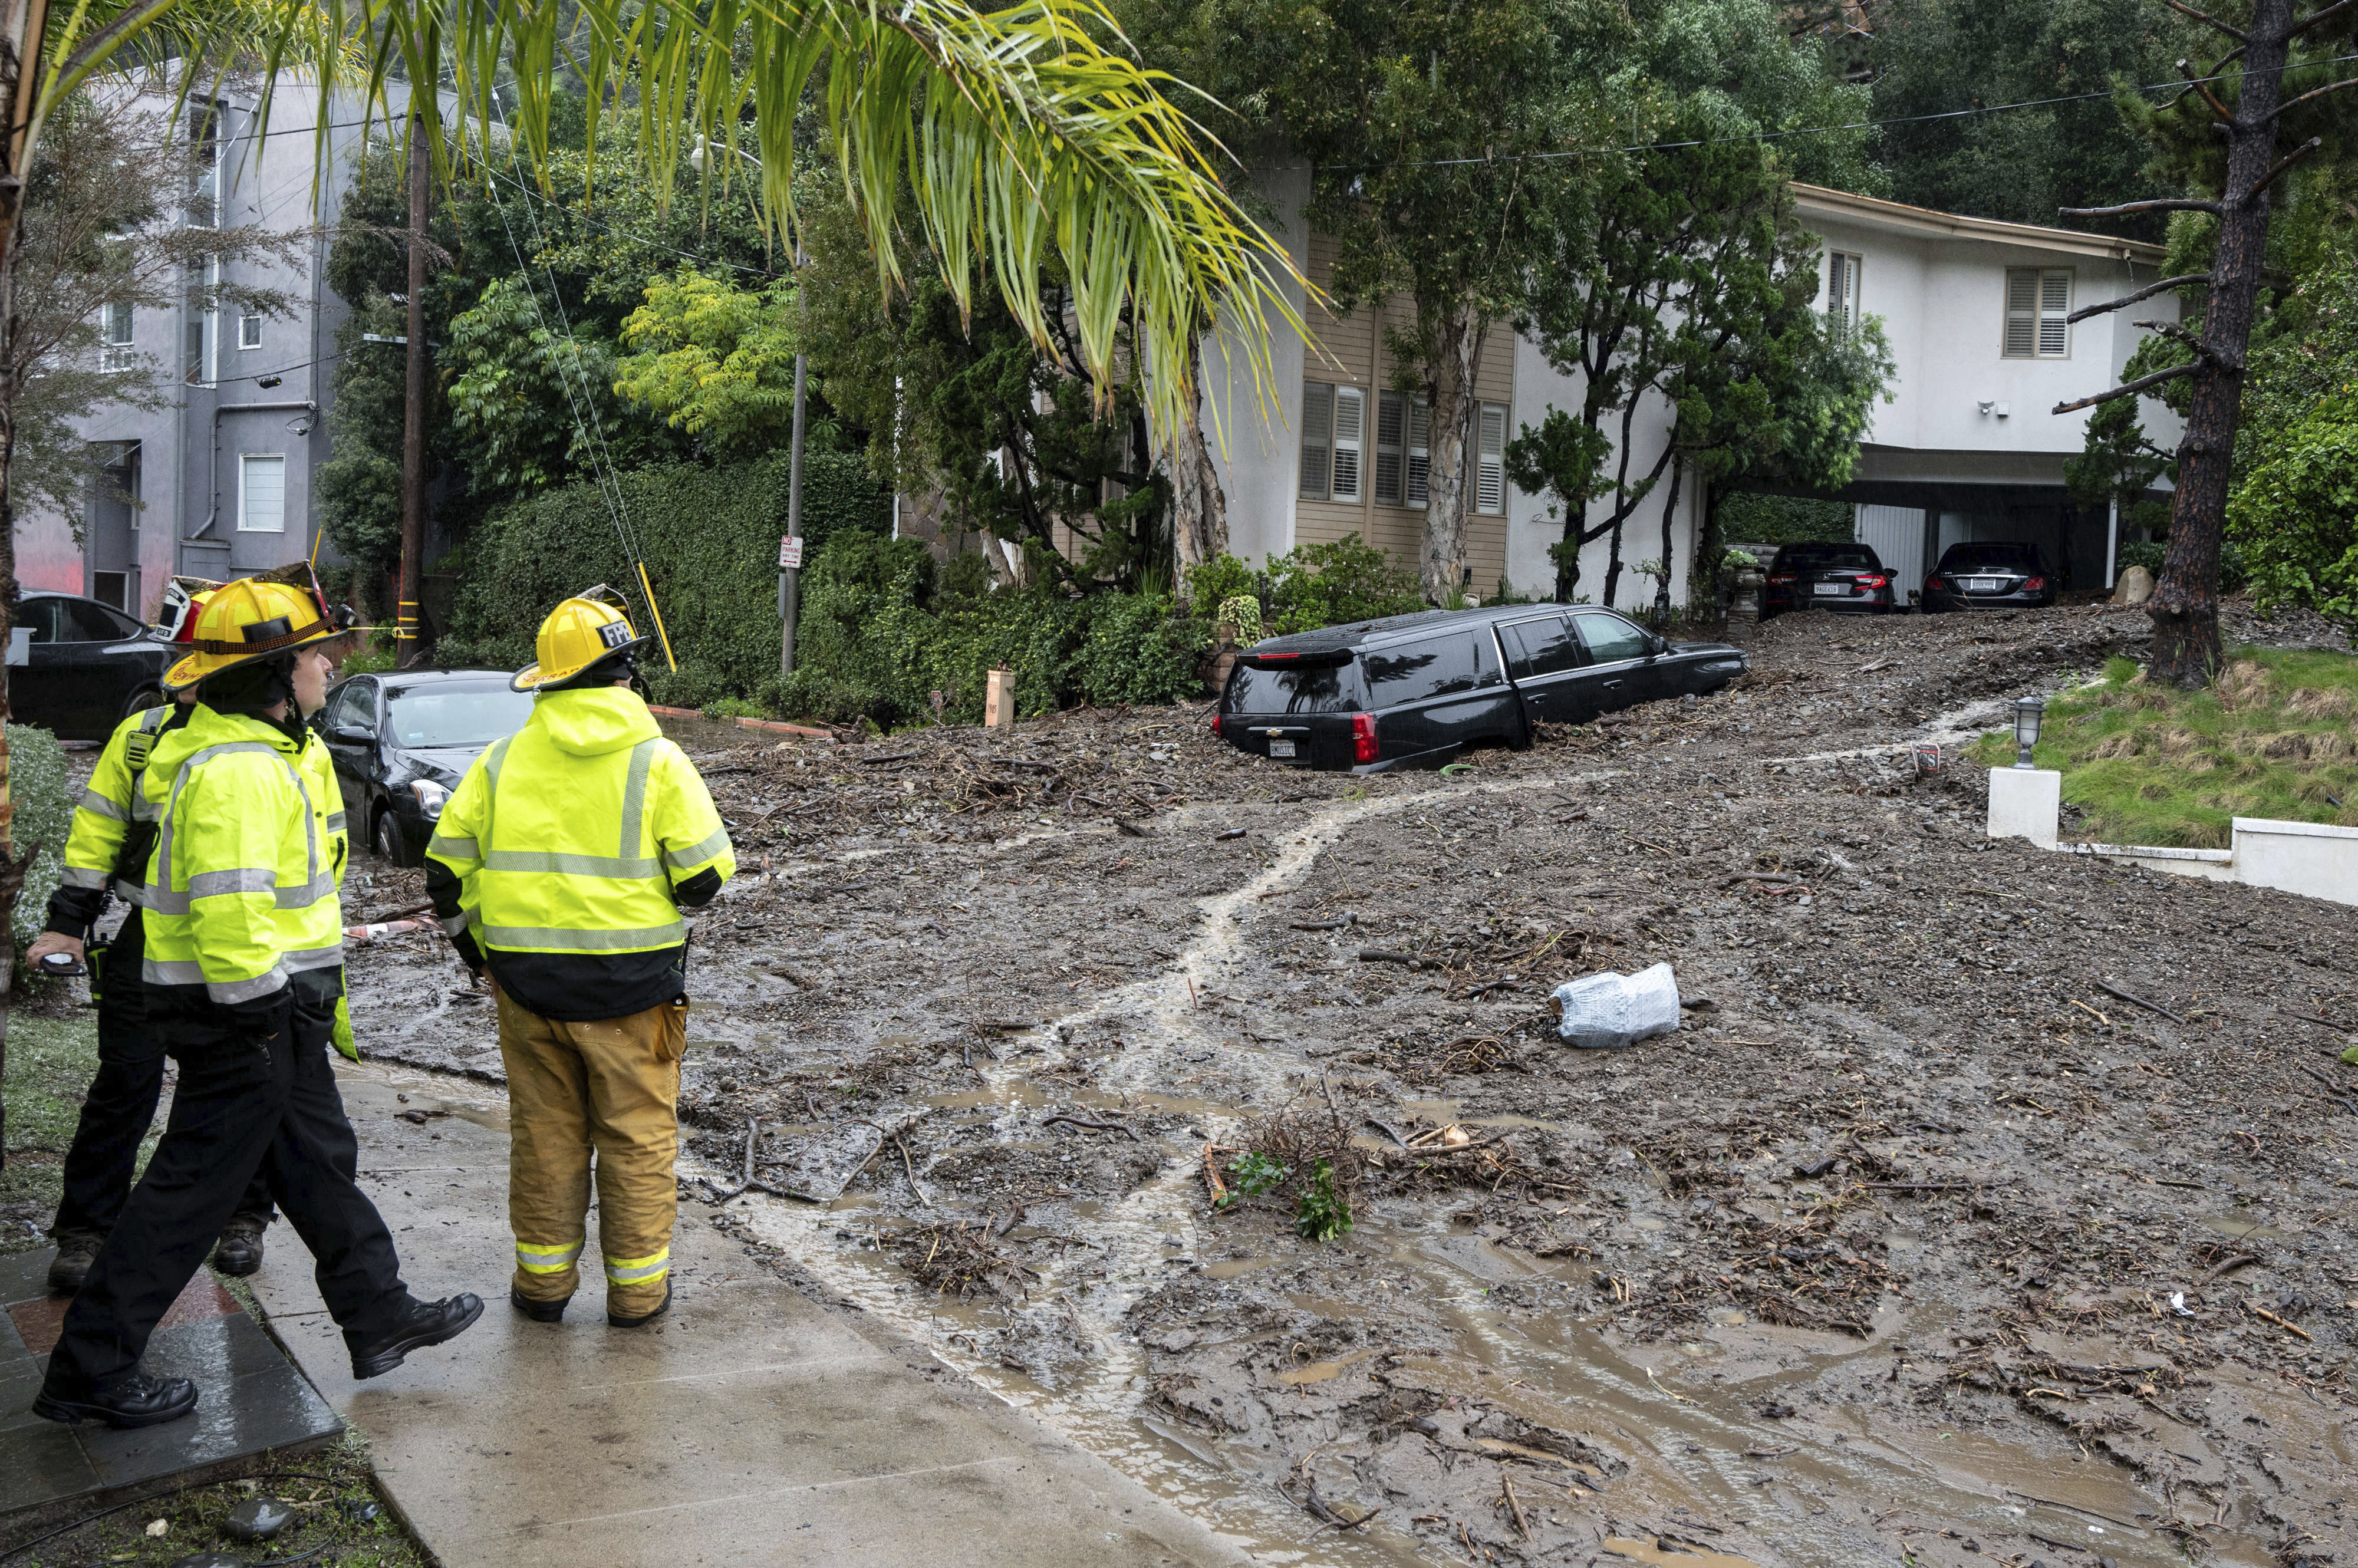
{"x":76,"y":1250}
{"x":539,"y":1312}
{"x":239,"y":1251}
{"x":640,"y":1320}
{"x":133,"y":1400}
{"x":424,"y":1323}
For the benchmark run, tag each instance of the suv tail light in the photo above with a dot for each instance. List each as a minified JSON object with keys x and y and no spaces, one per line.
{"x":1363,"y":738}
{"x":1215,"y":724}
{"x":2034,"y":585}
{"x":1874,"y":581}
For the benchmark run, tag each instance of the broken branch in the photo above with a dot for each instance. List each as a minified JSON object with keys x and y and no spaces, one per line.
{"x":2125,"y":301}
{"x":2284,"y":163}
{"x":2111,"y":990}
{"x":2185,"y":10}
{"x":2166,"y":204}
{"x":2330,"y":87}
{"x":2127,"y":388}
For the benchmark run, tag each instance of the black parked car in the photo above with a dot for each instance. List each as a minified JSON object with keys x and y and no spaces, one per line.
{"x":1414,"y":690}
{"x":402,"y":741}
{"x":87,"y":666}
{"x":1989,"y":577}
{"x":1829,"y":577}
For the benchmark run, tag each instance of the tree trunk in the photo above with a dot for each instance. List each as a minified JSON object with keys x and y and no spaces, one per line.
{"x":22,"y":26}
{"x":408,"y":648}
{"x":1670,"y":519}
{"x":1199,"y":508}
{"x":1455,"y":342}
{"x":1613,"y":567}
{"x":2185,"y":603}
{"x":1711,"y":546}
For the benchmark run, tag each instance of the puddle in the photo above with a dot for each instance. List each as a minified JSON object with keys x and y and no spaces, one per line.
{"x":1234,"y":1268}
{"x":1319,"y":1371}
{"x":2244,"y":1227}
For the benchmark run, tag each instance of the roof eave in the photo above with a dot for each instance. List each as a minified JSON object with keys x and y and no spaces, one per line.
{"x":1898,"y":216}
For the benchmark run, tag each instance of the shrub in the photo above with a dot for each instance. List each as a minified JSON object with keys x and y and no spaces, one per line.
{"x":43,"y":810}
{"x":1329,"y":584}
{"x":2234,"y":567}
{"x":1222,"y":578}
{"x":2297,"y":515}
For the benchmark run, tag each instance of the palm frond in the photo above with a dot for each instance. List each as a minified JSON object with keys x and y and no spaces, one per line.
{"x":1025,"y":136}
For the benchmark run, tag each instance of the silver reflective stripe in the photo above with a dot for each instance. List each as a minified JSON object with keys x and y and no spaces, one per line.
{"x":542,"y":938}
{"x":130,"y":891}
{"x":98,"y":805}
{"x":313,"y":957}
{"x":697,"y":854}
{"x":448,"y":847}
{"x":635,"y":796}
{"x":620,"y":1275}
{"x":160,"y":874}
{"x":144,"y":810}
{"x":568,"y":865}
{"x":231,"y":993}
{"x":82,"y":877}
{"x":335,"y":822}
{"x":249,"y":878}
{"x":493,"y":762}
{"x":455,"y":925}
{"x":170,"y":971}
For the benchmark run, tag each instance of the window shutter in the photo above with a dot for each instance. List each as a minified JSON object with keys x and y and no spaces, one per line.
{"x":262,"y":495}
{"x":1317,"y":438}
{"x":1491,"y":467}
{"x":1350,"y":433}
{"x":2054,"y":305}
{"x":1391,"y":423}
{"x":1842,"y":291}
{"x":1419,"y":460}
{"x":2021,"y":314}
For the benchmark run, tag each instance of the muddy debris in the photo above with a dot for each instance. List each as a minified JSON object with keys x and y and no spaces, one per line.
{"x":1921,"y":1238}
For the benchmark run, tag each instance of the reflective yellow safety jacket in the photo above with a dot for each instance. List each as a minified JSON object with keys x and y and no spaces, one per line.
{"x":240,"y":894}
{"x":113,"y":805}
{"x":564,"y":856}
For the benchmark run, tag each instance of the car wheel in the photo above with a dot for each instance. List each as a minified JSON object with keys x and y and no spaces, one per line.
{"x":386,"y":838}
{"x":146,"y":698}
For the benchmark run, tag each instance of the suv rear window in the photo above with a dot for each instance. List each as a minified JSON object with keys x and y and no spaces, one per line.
{"x":1970,"y":557}
{"x":1305,"y":689}
{"x":1412,"y":672}
{"x":1817,"y":557}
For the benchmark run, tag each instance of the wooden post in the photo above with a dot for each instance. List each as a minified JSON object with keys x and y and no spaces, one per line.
{"x":999,"y":704}
{"x":407,"y":644}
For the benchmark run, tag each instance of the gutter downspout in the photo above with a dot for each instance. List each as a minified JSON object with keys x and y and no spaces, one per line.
{"x":305,"y":405}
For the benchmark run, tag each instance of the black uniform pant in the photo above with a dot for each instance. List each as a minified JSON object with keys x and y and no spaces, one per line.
{"x":241,"y":1099}
{"x":121,"y":1104}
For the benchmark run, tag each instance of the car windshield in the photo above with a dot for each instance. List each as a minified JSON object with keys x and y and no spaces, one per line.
{"x":430,"y":716}
{"x":1980,"y":557}
{"x":1305,"y":689}
{"x":1818,"y":557}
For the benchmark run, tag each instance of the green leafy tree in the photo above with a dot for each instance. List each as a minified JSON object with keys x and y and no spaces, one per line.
{"x":714,"y":360}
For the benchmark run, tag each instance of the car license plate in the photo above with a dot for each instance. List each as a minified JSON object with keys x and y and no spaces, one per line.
{"x":1981,"y":585}
{"x":1280,"y":748}
{"x":1830,"y":587}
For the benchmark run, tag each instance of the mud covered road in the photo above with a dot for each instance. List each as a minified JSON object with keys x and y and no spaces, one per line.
{"x":1919,"y":1242}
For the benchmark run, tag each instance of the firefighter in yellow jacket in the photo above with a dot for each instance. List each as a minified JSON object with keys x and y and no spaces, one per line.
{"x":244,"y":977}
{"x":561,"y":865}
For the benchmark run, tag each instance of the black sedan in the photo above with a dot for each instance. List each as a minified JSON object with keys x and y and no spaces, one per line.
{"x":1990,"y":577}
{"x":1829,"y":577}
{"x":402,"y":741}
{"x":85,"y":666}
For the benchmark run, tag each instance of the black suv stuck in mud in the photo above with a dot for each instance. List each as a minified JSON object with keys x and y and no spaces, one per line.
{"x":1414,"y":690}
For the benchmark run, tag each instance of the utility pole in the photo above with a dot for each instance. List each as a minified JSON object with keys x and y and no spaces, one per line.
{"x":790,"y":577}
{"x":406,"y":643}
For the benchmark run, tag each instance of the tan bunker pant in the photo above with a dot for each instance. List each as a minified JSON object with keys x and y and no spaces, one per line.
{"x":611,"y":1086}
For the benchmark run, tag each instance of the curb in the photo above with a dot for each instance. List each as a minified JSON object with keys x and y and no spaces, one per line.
{"x":770,"y":724}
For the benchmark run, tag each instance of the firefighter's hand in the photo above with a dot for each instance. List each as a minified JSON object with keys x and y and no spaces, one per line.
{"x":49,"y":941}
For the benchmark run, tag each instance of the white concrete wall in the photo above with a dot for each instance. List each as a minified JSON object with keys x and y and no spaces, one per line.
{"x":1255,"y":430}
{"x":2311,"y":858}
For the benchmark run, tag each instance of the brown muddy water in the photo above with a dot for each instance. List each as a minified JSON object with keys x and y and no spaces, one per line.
{"x":1890,"y":1254}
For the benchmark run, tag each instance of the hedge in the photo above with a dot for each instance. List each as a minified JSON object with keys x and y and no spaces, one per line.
{"x":43,"y":807}
{"x":711,"y":540}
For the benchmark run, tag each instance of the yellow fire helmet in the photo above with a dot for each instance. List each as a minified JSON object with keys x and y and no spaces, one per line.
{"x":585,"y":629}
{"x":246,"y":621}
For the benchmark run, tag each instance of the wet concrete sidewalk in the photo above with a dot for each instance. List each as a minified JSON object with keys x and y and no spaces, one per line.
{"x":751,"y":1426}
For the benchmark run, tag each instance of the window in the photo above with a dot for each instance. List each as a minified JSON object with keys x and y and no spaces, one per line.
{"x":1842,"y":291}
{"x":107,"y":588}
{"x":1333,"y":441}
{"x":456,"y":715}
{"x":204,"y":126}
{"x":261,"y":495}
{"x":1611,"y":639}
{"x":1403,"y":424}
{"x":249,"y":332}
{"x":1438,"y":666}
{"x":1293,"y":689}
{"x":1541,"y":647}
{"x":192,"y":351}
{"x":114,"y":335}
{"x":1490,"y":461}
{"x":40,"y":616}
{"x":355,"y":705}
{"x":80,"y":621}
{"x":1350,"y":440}
{"x":2037,"y":303}
{"x":1317,"y":439}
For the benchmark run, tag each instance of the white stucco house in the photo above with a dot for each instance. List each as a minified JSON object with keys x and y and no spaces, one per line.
{"x":1967,"y":449}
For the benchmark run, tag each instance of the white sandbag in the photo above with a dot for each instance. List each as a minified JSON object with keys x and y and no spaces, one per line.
{"x":1607,"y":1012}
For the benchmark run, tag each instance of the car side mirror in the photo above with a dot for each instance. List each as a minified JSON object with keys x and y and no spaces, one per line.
{"x":352,"y":734}
{"x":1661,"y":643}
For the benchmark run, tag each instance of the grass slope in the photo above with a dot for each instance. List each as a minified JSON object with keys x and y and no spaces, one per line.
{"x":2150,"y":764}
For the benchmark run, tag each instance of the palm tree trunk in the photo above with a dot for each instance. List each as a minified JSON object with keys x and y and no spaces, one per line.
{"x":1455,"y":342}
{"x":1199,"y":507}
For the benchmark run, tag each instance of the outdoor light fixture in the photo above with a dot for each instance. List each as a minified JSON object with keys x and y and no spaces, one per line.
{"x":2028,"y":713}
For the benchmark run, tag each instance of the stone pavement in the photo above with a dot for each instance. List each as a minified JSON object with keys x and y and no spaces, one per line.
{"x":249,"y":1401}
{"x":750,"y":1426}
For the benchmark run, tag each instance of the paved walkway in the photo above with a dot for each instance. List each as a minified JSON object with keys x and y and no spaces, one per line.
{"x":751,"y":1427}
